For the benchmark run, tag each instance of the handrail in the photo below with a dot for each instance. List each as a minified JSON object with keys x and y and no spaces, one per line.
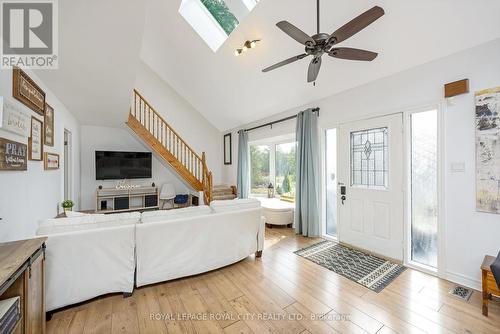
{"x":163,"y":120}
{"x":169,"y":139}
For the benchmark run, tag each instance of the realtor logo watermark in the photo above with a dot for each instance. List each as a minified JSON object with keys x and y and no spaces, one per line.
{"x":29,"y":34}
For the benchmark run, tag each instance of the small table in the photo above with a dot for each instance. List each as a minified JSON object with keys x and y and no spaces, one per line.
{"x":277,"y":212}
{"x":489,"y":284}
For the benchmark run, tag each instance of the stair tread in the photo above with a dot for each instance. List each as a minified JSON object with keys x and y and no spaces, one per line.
{"x":225,"y":197}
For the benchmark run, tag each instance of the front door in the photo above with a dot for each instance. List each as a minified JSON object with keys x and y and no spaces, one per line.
{"x":371,"y":185}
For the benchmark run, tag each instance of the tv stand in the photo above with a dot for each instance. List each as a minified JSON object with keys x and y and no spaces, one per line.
{"x":112,"y":200}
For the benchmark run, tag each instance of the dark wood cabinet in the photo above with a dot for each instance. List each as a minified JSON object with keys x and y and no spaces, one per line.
{"x":22,"y":275}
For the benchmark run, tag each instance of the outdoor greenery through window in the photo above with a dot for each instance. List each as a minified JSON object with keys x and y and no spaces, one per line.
{"x":221,"y":14}
{"x":259,"y":168}
{"x":273,"y":163}
{"x":285,"y":169}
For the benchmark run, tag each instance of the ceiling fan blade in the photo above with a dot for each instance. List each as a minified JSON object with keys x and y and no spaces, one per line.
{"x":295,"y":33}
{"x":352,"y":54}
{"x":313,"y":71}
{"x":284,"y":62}
{"x":357,"y":24}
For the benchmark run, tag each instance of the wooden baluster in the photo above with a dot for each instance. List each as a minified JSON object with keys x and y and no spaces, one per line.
{"x":140,"y":112}
{"x":162,"y":137}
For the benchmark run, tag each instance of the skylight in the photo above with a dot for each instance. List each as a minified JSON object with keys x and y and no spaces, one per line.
{"x":214,"y":20}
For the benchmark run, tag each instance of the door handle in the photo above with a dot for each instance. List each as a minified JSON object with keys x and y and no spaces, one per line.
{"x":343,"y":194}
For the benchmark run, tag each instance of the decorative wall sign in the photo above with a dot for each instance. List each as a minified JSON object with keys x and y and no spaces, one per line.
{"x":488,"y":150}
{"x":35,"y":142}
{"x":48,"y":132}
{"x":27,"y":91}
{"x":227,"y":149}
{"x":50,"y":161}
{"x":14,"y":119}
{"x":13,"y":155}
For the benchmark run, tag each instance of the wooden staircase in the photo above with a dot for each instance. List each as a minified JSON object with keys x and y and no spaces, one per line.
{"x":145,"y":121}
{"x":223,"y":192}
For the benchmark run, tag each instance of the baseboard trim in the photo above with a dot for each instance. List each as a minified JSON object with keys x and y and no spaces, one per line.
{"x":464,"y":280}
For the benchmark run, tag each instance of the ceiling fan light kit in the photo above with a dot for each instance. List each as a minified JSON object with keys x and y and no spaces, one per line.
{"x":246,"y":46}
{"x":320,"y":43}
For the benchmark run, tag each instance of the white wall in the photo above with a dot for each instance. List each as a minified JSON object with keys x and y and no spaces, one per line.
{"x":97,"y":138}
{"x":196,"y":130}
{"x":469,"y":234}
{"x":27,"y":196}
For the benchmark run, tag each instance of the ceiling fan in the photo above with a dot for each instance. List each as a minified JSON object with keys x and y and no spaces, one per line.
{"x":322,"y":43}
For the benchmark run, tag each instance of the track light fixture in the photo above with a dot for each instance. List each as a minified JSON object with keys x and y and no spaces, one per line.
{"x":246,"y":46}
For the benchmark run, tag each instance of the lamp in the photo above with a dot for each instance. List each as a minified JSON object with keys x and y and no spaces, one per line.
{"x":270,"y":191}
{"x":246,"y":46}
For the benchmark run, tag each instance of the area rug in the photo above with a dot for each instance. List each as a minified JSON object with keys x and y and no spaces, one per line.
{"x":370,"y":271}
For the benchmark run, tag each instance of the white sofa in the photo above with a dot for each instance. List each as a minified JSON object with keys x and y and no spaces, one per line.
{"x":171,"y":247}
{"x":92,"y":255}
{"x":88,"y":256}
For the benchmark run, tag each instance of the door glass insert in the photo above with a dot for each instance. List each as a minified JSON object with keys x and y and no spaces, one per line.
{"x":424,"y":188}
{"x":331,"y":182}
{"x":369,"y":163}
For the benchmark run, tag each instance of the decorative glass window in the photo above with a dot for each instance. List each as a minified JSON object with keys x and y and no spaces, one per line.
{"x":369,"y":162}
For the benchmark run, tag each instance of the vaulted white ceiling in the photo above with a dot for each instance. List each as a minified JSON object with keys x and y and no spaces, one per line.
{"x":230,"y":91}
{"x":101,"y":42}
{"x":99,"y":47}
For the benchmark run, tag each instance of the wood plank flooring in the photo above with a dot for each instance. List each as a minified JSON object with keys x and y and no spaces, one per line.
{"x":281,"y":293}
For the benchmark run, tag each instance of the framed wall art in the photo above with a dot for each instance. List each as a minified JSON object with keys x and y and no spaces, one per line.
{"x":25,"y":90}
{"x":488,"y":150}
{"x":13,"y":155}
{"x":50,"y":161}
{"x":14,"y":118}
{"x":35,"y":141}
{"x":227,"y":149}
{"x":48,"y":132}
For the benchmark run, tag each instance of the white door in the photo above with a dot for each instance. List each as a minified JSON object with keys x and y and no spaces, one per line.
{"x":371,"y":185}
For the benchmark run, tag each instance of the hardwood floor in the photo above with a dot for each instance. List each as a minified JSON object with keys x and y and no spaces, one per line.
{"x":281,"y":293}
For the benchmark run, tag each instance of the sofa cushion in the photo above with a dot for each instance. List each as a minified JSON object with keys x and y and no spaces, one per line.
{"x":165,"y":215}
{"x":235,"y":204}
{"x":87,"y":222}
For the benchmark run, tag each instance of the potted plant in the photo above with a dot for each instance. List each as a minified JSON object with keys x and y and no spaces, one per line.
{"x":67,"y":205}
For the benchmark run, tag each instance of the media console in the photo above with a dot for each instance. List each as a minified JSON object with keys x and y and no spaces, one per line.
{"x":110,"y":200}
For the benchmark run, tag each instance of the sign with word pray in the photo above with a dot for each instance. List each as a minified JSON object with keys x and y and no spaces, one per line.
{"x":13,"y":155}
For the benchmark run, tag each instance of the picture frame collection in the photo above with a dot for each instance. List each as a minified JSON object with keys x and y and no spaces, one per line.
{"x":38,"y":127}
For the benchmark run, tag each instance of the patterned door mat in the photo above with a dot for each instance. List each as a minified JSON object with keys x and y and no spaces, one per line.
{"x":370,"y":271}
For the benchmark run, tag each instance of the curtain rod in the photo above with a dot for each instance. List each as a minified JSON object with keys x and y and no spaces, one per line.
{"x":278,"y":121}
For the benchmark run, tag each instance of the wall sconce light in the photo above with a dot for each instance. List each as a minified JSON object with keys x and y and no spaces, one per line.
{"x":248,"y":45}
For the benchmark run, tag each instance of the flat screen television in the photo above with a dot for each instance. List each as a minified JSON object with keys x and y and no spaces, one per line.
{"x":110,"y":165}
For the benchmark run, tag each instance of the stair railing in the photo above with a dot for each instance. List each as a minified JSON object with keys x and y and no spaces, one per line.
{"x":167,"y":137}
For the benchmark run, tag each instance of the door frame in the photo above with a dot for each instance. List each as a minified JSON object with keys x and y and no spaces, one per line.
{"x":68,"y":164}
{"x":441,"y":223}
{"x":440,"y":106}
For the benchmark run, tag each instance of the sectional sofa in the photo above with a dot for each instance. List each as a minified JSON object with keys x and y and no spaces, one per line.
{"x":92,"y":255}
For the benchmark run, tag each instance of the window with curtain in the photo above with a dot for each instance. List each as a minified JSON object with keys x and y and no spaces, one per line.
{"x":274,"y":163}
